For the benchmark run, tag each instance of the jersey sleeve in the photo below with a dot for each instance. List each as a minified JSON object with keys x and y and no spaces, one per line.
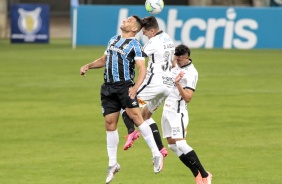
{"x":139,"y":54}
{"x":149,"y":48}
{"x":191,"y":80}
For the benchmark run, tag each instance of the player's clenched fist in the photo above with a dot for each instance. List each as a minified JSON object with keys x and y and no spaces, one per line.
{"x":83,"y":70}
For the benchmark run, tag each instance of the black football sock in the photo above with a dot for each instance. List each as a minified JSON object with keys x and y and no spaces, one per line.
{"x":186,"y":161}
{"x":128,"y":122}
{"x":157,"y":135}
{"x":194,"y":160}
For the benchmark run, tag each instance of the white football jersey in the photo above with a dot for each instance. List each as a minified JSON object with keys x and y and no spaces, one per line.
{"x":160,"y":50}
{"x":174,"y":102}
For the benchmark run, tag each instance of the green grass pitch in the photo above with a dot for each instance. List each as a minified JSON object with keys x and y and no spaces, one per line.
{"x":52,"y":129}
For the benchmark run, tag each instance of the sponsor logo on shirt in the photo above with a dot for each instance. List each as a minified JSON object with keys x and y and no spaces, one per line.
{"x":117,"y":50}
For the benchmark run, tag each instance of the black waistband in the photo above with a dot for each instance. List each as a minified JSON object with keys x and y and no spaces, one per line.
{"x":119,"y":82}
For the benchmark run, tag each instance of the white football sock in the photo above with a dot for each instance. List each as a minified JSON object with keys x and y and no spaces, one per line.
{"x":112,"y":145}
{"x":150,"y":121}
{"x":149,"y":138}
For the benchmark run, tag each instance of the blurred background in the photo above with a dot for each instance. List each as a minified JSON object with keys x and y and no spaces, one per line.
{"x":60,"y":10}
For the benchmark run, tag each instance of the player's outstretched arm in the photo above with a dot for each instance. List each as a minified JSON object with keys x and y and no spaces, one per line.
{"x":98,"y":63}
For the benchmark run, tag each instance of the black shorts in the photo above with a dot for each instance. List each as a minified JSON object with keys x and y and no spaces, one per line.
{"x":114,"y":96}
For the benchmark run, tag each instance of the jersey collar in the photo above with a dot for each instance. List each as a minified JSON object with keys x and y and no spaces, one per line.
{"x":187,"y":64}
{"x":160,"y":32}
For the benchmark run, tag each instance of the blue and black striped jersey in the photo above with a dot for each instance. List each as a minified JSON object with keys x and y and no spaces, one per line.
{"x":121,"y":55}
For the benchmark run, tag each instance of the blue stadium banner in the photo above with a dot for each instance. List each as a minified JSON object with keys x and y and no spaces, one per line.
{"x":197,"y":27}
{"x":30,"y":23}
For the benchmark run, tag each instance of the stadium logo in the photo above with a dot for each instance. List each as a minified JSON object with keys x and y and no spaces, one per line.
{"x":29,"y":22}
{"x":198,"y":32}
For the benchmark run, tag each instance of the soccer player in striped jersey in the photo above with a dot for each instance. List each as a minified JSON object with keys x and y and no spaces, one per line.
{"x":118,"y":91}
{"x":157,"y":84}
{"x":175,"y":114}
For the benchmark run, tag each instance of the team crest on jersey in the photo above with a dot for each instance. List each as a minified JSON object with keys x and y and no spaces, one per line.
{"x":29,"y":21}
{"x":125,"y":46}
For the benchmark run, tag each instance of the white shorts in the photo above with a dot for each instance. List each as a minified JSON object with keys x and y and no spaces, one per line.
{"x":154,"y":90}
{"x":174,"y":124}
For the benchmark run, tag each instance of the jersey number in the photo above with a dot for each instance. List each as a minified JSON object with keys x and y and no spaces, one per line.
{"x":167,"y":59}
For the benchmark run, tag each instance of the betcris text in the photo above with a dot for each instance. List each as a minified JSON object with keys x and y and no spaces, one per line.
{"x":226,"y":32}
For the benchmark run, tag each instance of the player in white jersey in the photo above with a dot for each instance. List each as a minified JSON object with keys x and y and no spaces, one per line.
{"x":158,"y":83}
{"x":160,"y":49}
{"x":175,"y":114}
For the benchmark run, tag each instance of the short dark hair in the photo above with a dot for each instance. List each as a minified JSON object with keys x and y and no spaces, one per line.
{"x":182,"y":50}
{"x":139,"y":22}
{"x":150,"y":23}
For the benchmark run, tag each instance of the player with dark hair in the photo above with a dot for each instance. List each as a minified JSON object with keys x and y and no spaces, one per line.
{"x":157,"y":84}
{"x":119,"y":91}
{"x":175,"y":117}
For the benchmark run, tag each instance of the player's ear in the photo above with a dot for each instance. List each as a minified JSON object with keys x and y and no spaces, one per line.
{"x":134,"y":29}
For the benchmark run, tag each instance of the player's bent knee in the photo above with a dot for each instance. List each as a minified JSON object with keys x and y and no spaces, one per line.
{"x":173,"y":148}
{"x":135,"y":115}
{"x":183,"y":146}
